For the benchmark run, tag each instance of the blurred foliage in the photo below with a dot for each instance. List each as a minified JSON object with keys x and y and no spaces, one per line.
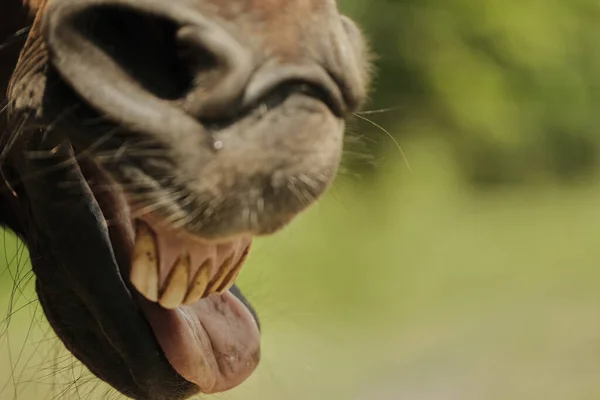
{"x":513,"y":86}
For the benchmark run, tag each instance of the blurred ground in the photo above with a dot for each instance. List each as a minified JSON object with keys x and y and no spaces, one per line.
{"x":410,"y":286}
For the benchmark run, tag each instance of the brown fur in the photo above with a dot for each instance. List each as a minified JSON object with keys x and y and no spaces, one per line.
{"x":238,"y":139}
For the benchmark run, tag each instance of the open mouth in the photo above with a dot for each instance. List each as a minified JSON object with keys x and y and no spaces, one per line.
{"x":187,"y":140}
{"x":182,"y":285}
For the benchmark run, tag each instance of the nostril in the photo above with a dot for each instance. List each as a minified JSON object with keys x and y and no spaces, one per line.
{"x":147,"y":48}
{"x":144,"y":53}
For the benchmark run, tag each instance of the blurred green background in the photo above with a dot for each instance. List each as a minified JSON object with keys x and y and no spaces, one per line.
{"x":472,"y":274}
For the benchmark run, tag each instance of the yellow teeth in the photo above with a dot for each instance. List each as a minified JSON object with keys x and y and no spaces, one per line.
{"x":177,"y":284}
{"x":199,"y":284}
{"x":179,"y":287}
{"x":231,"y":277}
{"x":144,"y":265}
{"x":220,"y":276}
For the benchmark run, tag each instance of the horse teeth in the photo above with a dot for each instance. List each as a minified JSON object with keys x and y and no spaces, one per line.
{"x":220,"y":276}
{"x":177,"y":284}
{"x":231,"y":277}
{"x":144,"y":264}
{"x":199,"y":284}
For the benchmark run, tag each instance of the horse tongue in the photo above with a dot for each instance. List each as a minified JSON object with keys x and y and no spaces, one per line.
{"x":213,"y":343}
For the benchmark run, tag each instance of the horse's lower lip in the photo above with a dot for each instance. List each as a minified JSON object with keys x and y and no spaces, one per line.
{"x":76,"y":262}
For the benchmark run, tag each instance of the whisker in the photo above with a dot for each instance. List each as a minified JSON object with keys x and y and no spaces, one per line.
{"x":295,"y":191}
{"x":378,"y":111}
{"x":390,"y":136}
{"x":159,"y":203}
{"x":15,"y":37}
{"x":6,"y":106}
{"x":71,"y":161}
{"x":309,"y":181}
{"x":114,"y":155}
{"x":11,"y":141}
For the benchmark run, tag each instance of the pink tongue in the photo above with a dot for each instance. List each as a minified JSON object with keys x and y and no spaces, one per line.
{"x":214,"y":343}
